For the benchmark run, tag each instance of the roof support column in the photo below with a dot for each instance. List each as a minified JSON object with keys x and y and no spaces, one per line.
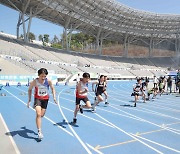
{"x":65,"y":36}
{"x":151,"y":46}
{"x":126,"y":45}
{"x":29,"y":24}
{"x":24,"y":28}
{"x":22,"y":20}
{"x":177,"y":50}
{"x":101,"y":41}
{"x":69,"y":42}
{"x":24,"y":8}
{"x":70,"y":34}
{"x":98,"y":41}
{"x":177,"y":45}
{"x":100,"y":47}
{"x":18,"y":25}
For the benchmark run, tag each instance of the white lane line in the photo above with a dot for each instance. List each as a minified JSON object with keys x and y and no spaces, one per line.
{"x":125,"y":88}
{"x":157,"y":103}
{"x":131,"y":117}
{"x":156,"y":113}
{"x":44,"y":116}
{"x":145,"y":109}
{"x":143,"y":120}
{"x":10,"y":137}
{"x":89,"y":117}
{"x":158,"y":106}
{"x":73,"y":111}
{"x":174,"y":123}
{"x":81,"y":114}
{"x":99,"y":152}
{"x":73,"y":131}
{"x":166,"y":128}
{"x":121,"y":130}
{"x":121,"y":90}
{"x":149,"y":111}
{"x":164,"y":146}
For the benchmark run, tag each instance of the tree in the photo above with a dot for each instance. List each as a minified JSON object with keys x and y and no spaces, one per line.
{"x":81,"y":40}
{"x":31,"y":36}
{"x":21,"y":36}
{"x":40,"y":37}
{"x":56,"y":45}
{"x":46,"y":38}
{"x":55,"y":39}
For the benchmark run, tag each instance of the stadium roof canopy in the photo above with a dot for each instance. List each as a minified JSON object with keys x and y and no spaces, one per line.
{"x":106,"y":18}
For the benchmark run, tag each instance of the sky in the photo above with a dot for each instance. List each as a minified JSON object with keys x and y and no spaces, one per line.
{"x":9,"y":17}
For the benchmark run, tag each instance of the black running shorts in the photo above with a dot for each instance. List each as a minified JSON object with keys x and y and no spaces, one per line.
{"x":136,"y":94}
{"x":81,"y":99}
{"x":99,"y":93}
{"x":41,"y":102}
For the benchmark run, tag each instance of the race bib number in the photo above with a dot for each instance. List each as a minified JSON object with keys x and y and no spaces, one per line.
{"x":42,"y":91}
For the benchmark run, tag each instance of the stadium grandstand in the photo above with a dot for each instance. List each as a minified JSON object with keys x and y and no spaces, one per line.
{"x":103,"y":19}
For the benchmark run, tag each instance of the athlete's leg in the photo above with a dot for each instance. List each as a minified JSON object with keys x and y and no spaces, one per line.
{"x":149,"y":94}
{"x":76,"y":110}
{"x":136,"y":98}
{"x":43,"y":111}
{"x":39,"y":114}
{"x":38,"y":117}
{"x":100,"y":99}
{"x":144,"y":96}
{"x":38,"y":120}
{"x":88,"y":105}
{"x":77,"y":107}
{"x":106,"y":95}
{"x":170,"y":88}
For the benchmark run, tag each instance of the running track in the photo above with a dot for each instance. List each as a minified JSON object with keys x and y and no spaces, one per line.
{"x":152,"y":127}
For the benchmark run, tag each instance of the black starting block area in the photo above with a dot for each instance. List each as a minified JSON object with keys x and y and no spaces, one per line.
{"x":2,"y":94}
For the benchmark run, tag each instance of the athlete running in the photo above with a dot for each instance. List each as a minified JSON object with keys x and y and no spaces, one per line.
{"x":137,"y":88}
{"x":81,"y":95}
{"x":100,"y":87}
{"x":41,"y":96}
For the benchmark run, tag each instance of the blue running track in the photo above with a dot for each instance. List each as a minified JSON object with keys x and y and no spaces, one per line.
{"x":152,"y":127}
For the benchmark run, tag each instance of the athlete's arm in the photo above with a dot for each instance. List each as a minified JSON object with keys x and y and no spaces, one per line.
{"x":32,"y":84}
{"x":134,"y":87}
{"x":53,"y":91}
{"x":93,"y":85}
{"x":79,"y":89}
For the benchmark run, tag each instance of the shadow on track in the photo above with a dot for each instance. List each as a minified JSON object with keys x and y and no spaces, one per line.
{"x":24,"y":132}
